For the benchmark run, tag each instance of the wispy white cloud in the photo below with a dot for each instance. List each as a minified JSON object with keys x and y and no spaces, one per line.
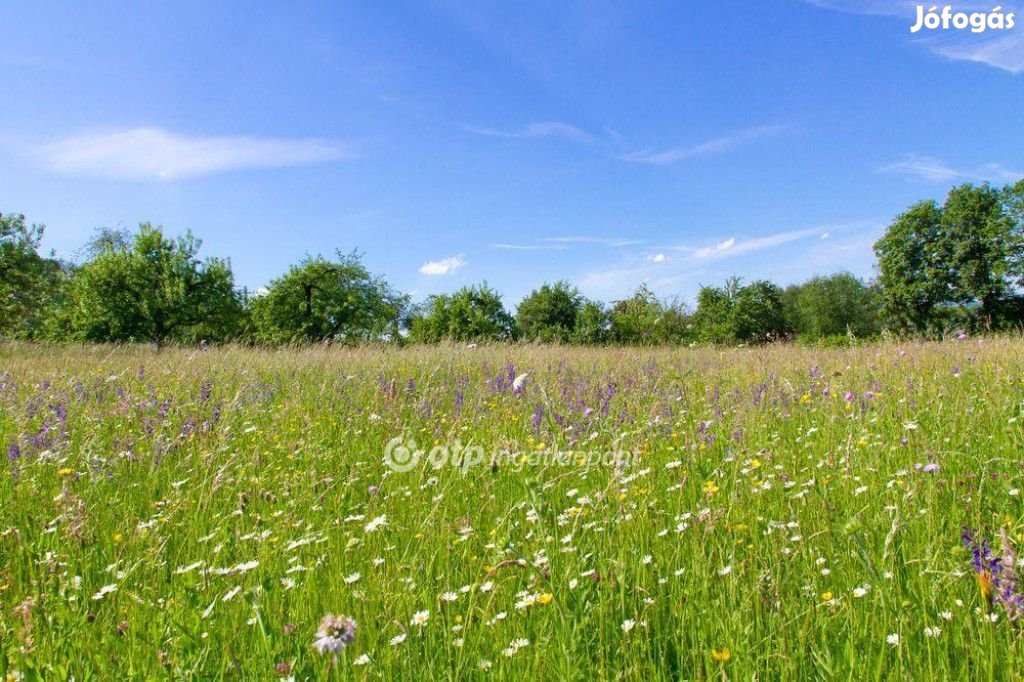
{"x":663,"y":271}
{"x":732,"y":247}
{"x":717,"y":145}
{"x":1000,"y":49}
{"x":445,"y":266}
{"x":601,"y":241}
{"x":156,"y":154}
{"x":537,"y":130}
{"x":529,"y":247}
{"x":906,"y":8}
{"x":934,"y":170}
{"x":718,"y":249}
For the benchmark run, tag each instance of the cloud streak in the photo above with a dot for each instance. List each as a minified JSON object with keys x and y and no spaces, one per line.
{"x":529,"y":247}
{"x":663,"y":270}
{"x":931,"y":169}
{"x":147,"y":154}
{"x":541,"y":129}
{"x":613,"y":242}
{"x":710,"y":147}
{"x":999,"y":49}
{"x":445,"y":266}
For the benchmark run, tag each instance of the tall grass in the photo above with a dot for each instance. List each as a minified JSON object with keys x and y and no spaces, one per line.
{"x":788,"y":512}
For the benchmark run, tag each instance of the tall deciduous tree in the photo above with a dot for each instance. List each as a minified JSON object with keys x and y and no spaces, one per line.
{"x":643,"y":319}
{"x":321,"y":300}
{"x":153,"y":289}
{"x":550,"y":313}
{"x":470,"y":314}
{"x":976,"y":238}
{"x":29,"y":282}
{"x":734,"y":313}
{"x":914,"y":273}
{"x":967,"y":256}
{"x":835,"y":305}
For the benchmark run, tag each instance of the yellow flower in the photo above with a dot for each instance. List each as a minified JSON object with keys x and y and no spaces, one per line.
{"x":66,"y":472}
{"x":826,"y":596}
{"x":545,"y":598}
{"x":805,"y":399}
{"x":985,"y":584}
{"x":722,"y":656}
{"x":118,"y":538}
{"x":710,"y":487}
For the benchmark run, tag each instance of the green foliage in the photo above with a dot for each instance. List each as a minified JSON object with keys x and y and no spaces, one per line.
{"x":837,"y":305}
{"x":152,"y":289}
{"x":913,"y":273}
{"x":644,"y":320}
{"x":550,"y":313}
{"x":968,"y":254}
{"x":473,"y":313}
{"x":976,"y":239}
{"x":740,"y":314}
{"x":320,"y":300}
{"x":593,"y":324}
{"x":29,"y":283}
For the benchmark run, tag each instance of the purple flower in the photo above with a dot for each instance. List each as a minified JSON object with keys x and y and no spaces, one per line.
{"x":849,"y":397}
{"x":538,"y":414}
{"x":931,"y":468}
{"x":334,"y":634}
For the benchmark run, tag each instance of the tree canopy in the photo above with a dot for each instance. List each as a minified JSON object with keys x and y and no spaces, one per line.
{"x":29,"y":282}
{"x":473,"y":313}
{"x":152,"y":288}
{"x":963,"y":260}
{"x":328,"y":300}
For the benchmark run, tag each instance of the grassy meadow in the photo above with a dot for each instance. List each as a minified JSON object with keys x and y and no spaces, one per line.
{"x":777,"y":512}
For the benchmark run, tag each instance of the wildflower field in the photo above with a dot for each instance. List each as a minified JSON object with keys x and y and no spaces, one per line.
{"x":775,"y":512}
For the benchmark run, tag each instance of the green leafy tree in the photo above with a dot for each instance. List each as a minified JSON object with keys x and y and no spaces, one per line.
{"x":713,"y":320}
{"x":633,"y":320}
{"x":914,"y":273}
{"x":740,"y":314}
{"x":320,"y":300}
{"x":758,"y":315}
{"x":30,"y":284}
{"x":550,"y":313}
{"x":473,"y":313}
{"x":593,"y":325}
{"x":831,"y":306}
{"x":963,"y":260}
{"x":152,"y":289}
{"x":643,"y":319}
{"x":977,"y":241}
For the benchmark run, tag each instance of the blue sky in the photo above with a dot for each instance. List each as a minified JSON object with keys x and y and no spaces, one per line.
{"x":607,"y":143}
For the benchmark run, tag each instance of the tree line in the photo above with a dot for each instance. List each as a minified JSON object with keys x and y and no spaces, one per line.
{"x":959,"y":265}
